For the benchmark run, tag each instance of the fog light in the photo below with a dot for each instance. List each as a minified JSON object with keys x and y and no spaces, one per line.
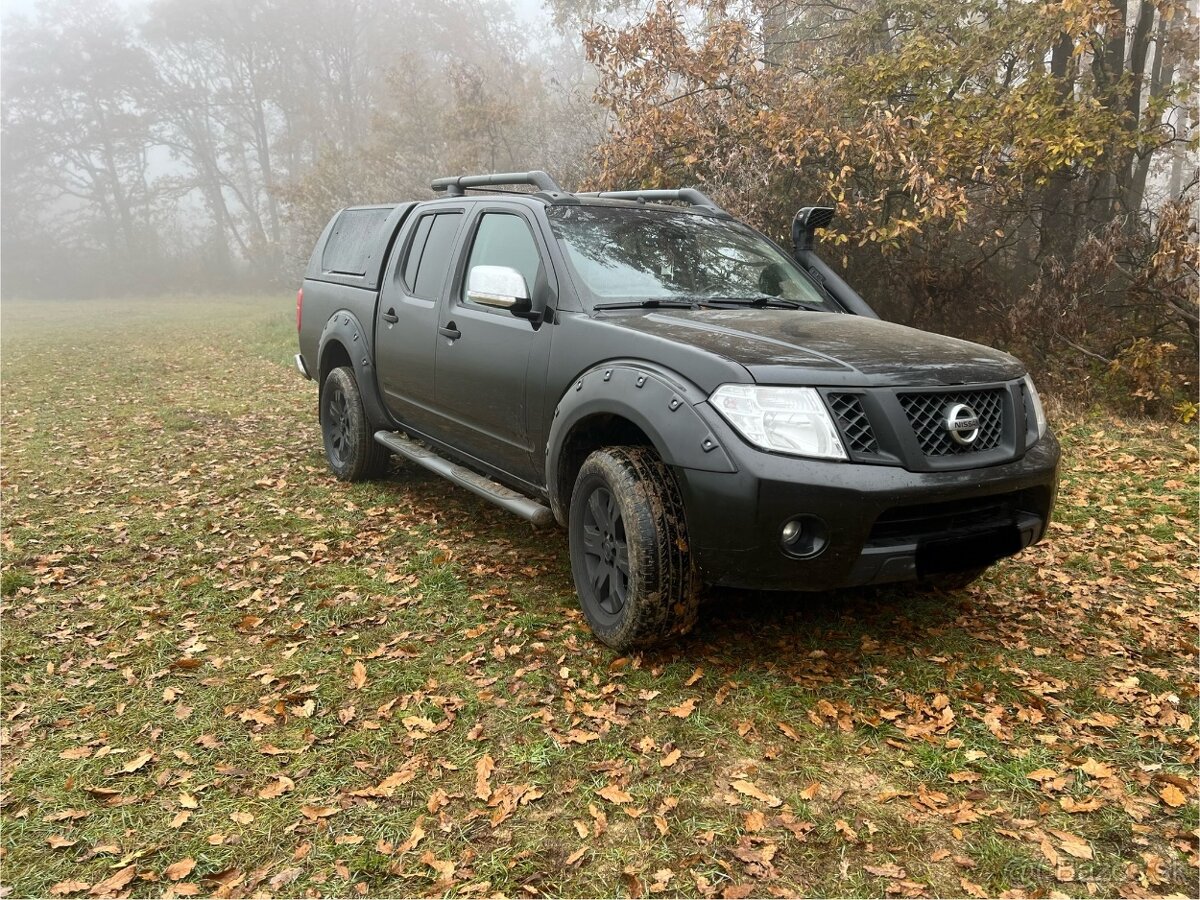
{"x":791,"y":532}
{"x":803,"y":536}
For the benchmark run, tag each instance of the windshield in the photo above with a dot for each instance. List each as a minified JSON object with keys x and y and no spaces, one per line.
{"x":633,"y":255}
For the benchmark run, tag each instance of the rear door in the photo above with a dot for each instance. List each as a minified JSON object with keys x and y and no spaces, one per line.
{"x":490,"y":374}
{"x":407,"y":315}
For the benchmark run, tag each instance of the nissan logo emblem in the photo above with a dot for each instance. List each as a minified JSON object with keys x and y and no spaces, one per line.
{"x":962,"y":424}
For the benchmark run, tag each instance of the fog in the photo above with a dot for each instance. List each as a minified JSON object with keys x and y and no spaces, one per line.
{"x":1020,"y":173}
{"x":176,"y":145}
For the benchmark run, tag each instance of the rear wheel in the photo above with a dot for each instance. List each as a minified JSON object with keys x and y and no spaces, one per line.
{"x":350,"y":445}
{"x":629,"y":550}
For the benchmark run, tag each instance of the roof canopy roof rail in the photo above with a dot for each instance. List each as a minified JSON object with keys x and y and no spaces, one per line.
{"x":454,"y":185}
{"x":690,"y":196}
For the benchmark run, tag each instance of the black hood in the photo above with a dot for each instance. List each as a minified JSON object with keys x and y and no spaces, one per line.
{"x":800,"y":347}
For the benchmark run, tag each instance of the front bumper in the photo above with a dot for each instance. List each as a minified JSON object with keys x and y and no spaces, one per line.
{"x":881,"y":523}
{"x":301,"y":367}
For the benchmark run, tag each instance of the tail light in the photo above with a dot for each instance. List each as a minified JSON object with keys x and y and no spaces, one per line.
{"x":299,"y":307}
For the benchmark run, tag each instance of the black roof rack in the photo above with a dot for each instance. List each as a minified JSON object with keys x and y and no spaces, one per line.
{"x":454,"y":185}
{"x":687,"y":195}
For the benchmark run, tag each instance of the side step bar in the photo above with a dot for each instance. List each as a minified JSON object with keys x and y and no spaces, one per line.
{"x":474,"y":482}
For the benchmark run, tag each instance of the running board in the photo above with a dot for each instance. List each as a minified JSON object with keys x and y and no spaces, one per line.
{"x":474,"y":482}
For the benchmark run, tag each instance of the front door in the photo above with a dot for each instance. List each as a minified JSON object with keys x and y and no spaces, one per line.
{"x":491,"y":363}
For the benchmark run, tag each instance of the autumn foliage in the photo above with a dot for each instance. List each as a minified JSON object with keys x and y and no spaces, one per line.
{"x":977,"y":153}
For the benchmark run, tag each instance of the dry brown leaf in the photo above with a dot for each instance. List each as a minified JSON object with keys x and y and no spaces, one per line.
{"x":114,"y":883}
{"x":750,"y":790}
{"x":1172,"y":796}
{"x":241,"y":817}
{"x":1096,"y":769}
{"x":178,"y":870}
{"x":284,"y":877}
{"x":137,"y":762}
{"x":671,"y":758}
{"x":614,"y":794}
{"x":444,"y":868}
{"x":58,"y":842}
{"x":484,"y":767}
{"x":63,"y":888}
{"x":788,"y":730}
{"x":414,"y":836}
{"x":755,"y":820}
{"x":358,"y":679}
{"x":684,"y":709}
{"x":76,"y":753}
{"x":811,"y":791}
{"x":317,"y":812}
{"x":887,"y":870}
{"x":277,"y":788}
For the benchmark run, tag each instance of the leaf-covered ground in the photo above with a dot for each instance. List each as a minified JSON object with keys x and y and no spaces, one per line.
{"x":225,"y":673}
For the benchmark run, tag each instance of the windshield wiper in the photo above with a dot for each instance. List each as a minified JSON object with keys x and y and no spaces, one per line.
{"x":650,"y":304}
{"x":761,"y":302}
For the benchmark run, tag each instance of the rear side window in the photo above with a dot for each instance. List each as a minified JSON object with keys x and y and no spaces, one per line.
{"x":428,"y":258}
{"x":354,"y":237}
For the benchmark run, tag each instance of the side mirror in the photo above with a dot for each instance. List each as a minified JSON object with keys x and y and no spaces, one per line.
{"x":501,"y":287}
{"x":806,"y":222}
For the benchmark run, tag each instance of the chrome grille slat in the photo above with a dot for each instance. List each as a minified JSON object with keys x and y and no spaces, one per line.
{"x":927,"y":415}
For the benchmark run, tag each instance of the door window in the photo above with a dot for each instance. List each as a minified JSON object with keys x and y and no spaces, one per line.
{"x":428,"y":258}
{"x":503,"y":239}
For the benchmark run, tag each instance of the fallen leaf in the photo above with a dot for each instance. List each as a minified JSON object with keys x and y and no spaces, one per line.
{"x":58,"y":842}
{"x":484,"y":767}
{"x":671,"y":758}
{"x":684,"y":709}
{"x":749,"y":789}
{"x":614,"y":794}
{"x":68,"y":887}
{"x":284,"y":877}
{"x":1172,"y":796}
{"x":277,"y":788}
{"x":137,"y":762}
{"x":114,"y":883}
{"x":1096,"y":769}
{"x":182,"y":869}
{"x":358,"y":679}
{"x":317,"y":812}
{"x":888,"y":870}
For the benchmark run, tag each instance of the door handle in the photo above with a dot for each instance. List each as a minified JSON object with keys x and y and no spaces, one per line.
{"x":448,"y":330}
{"x":390,"y":316}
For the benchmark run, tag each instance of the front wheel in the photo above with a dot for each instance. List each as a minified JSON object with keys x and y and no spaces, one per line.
{"x":350,"y":445}
{"x":629,"y":549}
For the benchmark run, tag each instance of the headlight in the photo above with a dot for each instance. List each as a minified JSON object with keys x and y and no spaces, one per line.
{"x":1035,"y":403}
{"x":784,"y":419}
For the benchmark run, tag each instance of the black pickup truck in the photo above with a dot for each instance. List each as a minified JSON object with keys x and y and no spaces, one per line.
{"x":693,"y":404}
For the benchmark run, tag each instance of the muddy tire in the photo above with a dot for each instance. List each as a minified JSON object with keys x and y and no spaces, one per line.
{"x":629,"y":549}
{"x":350,"y":445}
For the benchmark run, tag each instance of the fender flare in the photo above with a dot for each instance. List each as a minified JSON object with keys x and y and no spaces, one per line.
{"x":344,"y":328}
{"x":655,"y":399}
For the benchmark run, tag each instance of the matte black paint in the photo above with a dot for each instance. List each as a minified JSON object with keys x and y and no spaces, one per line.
{"x":507,"y":394}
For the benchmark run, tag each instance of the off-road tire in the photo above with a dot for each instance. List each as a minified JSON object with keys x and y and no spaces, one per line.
{"x":626,"y":505}
{"x":950,"y":581}
{"x":350,"y":446}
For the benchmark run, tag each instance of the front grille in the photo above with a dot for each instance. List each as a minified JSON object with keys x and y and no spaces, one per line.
{"x":853,"y":423}
{"x":927,"y":416}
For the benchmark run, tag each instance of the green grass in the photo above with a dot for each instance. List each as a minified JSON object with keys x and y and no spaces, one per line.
{"x":181,"y":575}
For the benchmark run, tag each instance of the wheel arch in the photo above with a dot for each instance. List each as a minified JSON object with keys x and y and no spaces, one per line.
{"x":627,"y":403}
{"x":345,"y":342}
